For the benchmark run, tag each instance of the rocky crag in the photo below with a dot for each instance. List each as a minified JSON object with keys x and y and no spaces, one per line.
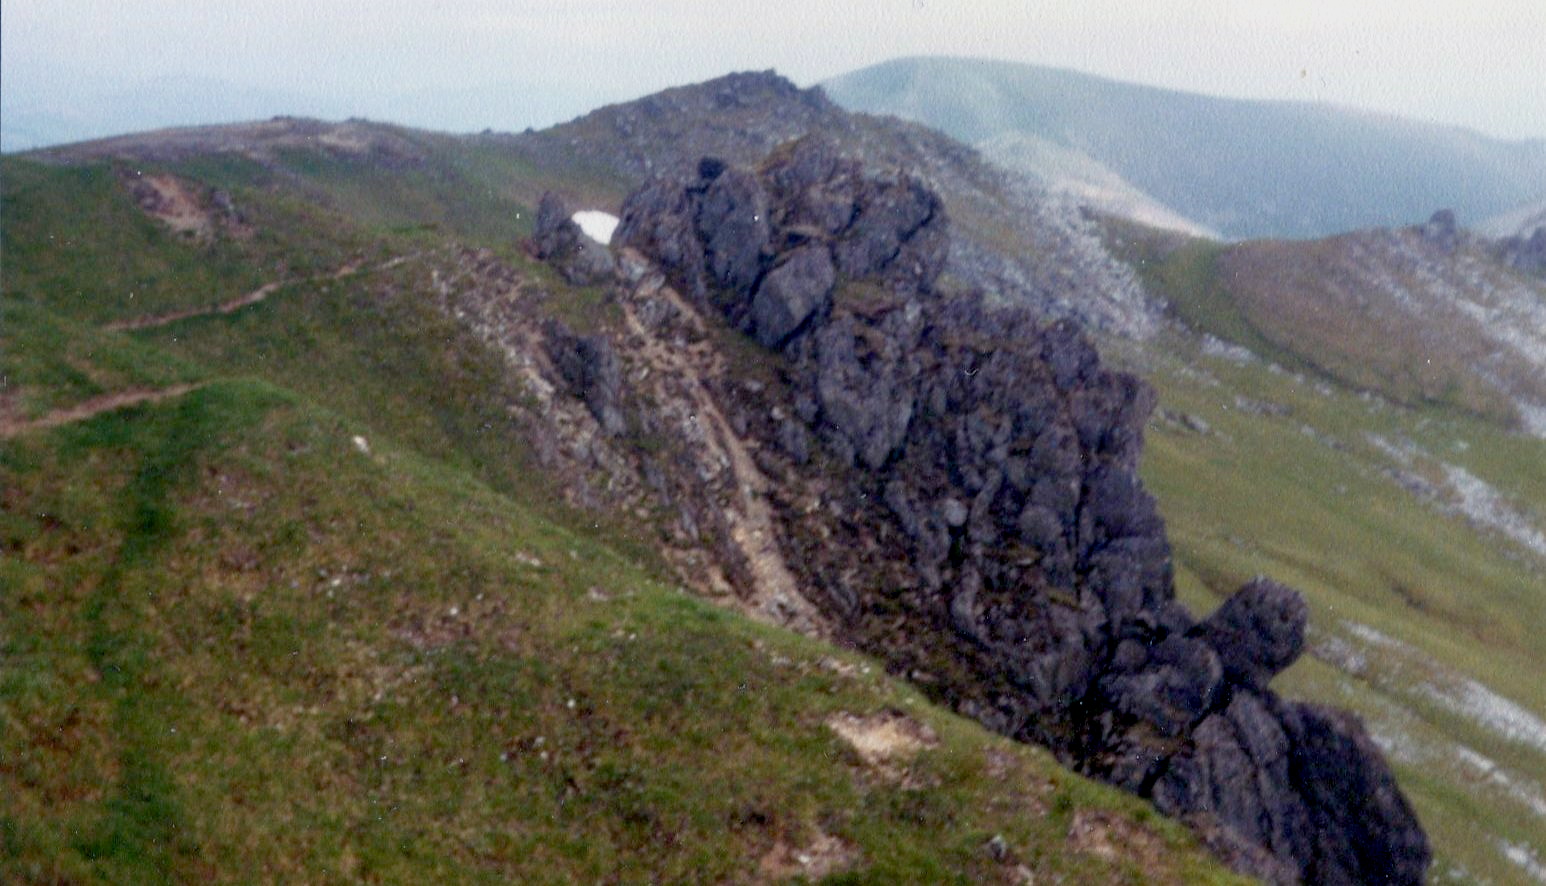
{"x":1018,"y":243}
{"x":947,"y":484}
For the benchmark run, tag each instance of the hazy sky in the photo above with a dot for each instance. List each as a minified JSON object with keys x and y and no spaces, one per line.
{"x":1479,"y":64}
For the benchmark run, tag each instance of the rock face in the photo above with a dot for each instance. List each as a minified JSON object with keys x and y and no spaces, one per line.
{"x":766,"y":250}
{"x":1063,"y":270}
{"x":558,"y":240}
{"x":964,"y":502}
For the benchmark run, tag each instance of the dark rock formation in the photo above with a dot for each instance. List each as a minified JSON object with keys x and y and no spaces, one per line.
{"x":1257,"y":632}
{"x":799,"y":287}
{"x":589,"y":366}
{"x":782,"y":237}
{"x":1441,"y":230}
{"x":985,"y":530}
{"x":558,"y":240}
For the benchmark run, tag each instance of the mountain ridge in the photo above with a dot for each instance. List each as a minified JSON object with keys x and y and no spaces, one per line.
{"x":1243,"y":167}
{"x":1234,"y":430}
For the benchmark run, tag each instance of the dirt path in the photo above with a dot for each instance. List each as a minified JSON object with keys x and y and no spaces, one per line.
{"x":777,"y":595}
{"x":10,"y":427}
{"x":152,"y":321}
{"x":226,"y":307}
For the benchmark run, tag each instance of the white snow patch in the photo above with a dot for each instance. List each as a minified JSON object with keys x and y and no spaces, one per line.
{"x":1525,"y":792}
{"x":1533,"y":417}
{"x":597,"y":225}
{"x":1461,"y":492}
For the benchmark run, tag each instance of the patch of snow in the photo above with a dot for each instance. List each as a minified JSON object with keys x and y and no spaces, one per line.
{"x":1525,"y":792}
{"x":597,"y":225}
{"x":1376,"y":638}
{"x":1461,"y":492}
{"x":1533,"y":417}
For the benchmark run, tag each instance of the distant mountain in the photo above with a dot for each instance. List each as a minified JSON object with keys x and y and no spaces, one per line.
{"x":1520,"y":221}
{"x":1427,"y":314}
{"x":1242,"y":168}
{"x":73,"y":112}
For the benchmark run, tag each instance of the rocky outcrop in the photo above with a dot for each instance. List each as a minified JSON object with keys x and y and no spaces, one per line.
{"x":559,"y":241}
{"x":1061,"y":266}
{"x":1441,"y":230}
{"x":591,"y":371}
{"x":958,"y":493}
{"x":767,"y":249}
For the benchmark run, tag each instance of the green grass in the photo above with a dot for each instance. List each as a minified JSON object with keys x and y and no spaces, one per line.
{"x":257,"y":652}
{"x":74,"y":241}
{"x":234,"y":647}
{"x":48,"y":362}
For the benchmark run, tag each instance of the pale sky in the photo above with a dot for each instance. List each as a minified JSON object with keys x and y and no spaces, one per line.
{"x":467,"y":64}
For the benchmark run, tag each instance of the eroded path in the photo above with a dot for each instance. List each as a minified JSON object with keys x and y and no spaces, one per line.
{"x":11,"y":427}
{"x":230,"y":306}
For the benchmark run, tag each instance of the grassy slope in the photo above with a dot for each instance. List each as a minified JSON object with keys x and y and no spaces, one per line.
{"x":233,"y":646}
{"x":1307,"y":497}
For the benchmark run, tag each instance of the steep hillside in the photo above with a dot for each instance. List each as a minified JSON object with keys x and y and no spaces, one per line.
{"x":1428,"y":314}
{"x":1417,"y":531}
{"x":1242,"y":168}
{"x":284,"y":594}
{"x":1400,"y":523}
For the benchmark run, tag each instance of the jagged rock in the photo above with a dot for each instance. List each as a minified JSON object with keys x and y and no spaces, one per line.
{"x":863,"y":392}
{"x":559,"y":241}
{"x":797,"y":288}
{"x":1363,"y":829}
{"x":992,"y":519}
{"x":589,"y":365}
{"x":1258,"y":631}
{"x":1176,"y":685}
{"x":658,"y":221}
{"x":732,"y":222}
